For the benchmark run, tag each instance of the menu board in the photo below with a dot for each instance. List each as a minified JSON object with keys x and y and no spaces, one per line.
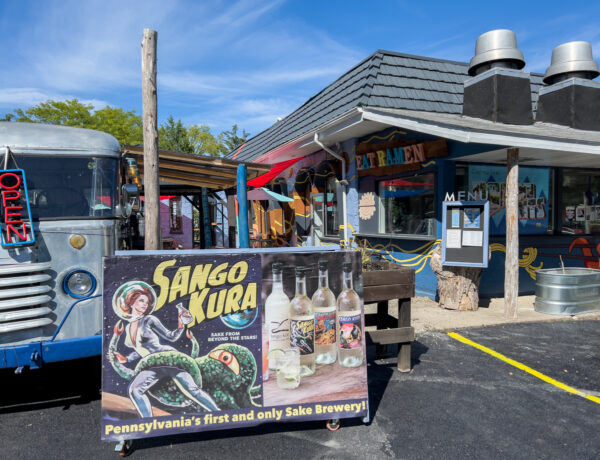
{"x":465,"y":227}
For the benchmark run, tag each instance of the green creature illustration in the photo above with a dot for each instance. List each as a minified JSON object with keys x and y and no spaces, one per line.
{"x":227,"y":373}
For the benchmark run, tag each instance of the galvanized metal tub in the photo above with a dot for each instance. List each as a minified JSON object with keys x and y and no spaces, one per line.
{"x":575,"y":291}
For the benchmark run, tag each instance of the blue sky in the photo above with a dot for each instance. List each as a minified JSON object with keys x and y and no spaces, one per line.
{"x":249,"y":62}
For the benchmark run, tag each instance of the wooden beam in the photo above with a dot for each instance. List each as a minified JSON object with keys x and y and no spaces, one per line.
{"x":511,"y":265}
{"x":388,"y":292}
{"x":197,"y":183}
{"x":387,"y":336}
{"x":256,"y":168}
{"x":193,"y":177}
{"x":195,"y":169}
{"x":150,"y":134}
{"x":382,"y":277}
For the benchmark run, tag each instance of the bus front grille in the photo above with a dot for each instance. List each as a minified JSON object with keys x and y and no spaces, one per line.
{"x":24,"y":295}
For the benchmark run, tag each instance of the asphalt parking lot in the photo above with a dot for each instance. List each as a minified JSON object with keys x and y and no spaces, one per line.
{"x":458,"y":402}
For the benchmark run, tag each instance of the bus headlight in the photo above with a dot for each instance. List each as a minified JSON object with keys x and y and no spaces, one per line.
{"x":79,"y":283}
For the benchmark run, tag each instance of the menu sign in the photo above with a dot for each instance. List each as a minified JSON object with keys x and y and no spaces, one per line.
{"x":15,"y":215}
{"x":465,"y":236}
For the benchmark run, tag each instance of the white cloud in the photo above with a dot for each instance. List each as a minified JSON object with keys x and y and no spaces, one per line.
{"x":24,"y":97}
{"x":253,"y":115}
{"x":18,"y":97}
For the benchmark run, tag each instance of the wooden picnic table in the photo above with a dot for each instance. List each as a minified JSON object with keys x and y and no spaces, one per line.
{"x":381,"y":286}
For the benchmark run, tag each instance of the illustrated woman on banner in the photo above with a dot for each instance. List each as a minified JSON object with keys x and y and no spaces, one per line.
{"x":135,"y":302}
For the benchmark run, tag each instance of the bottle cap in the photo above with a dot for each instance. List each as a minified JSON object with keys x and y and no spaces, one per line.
{"x":347,"y":267}
{"x":323,"y":264}
{"x":277,"y":267}
{"x":301,"y":270}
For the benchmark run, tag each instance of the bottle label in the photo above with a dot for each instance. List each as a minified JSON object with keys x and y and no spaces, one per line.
{"x":279,"y":332}
{"x":350,"y":329}
{"x":325,"y":326}
{"x":302,"y":334}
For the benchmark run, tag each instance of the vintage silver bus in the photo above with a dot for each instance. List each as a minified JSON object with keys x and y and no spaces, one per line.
{"x":78,"y":195}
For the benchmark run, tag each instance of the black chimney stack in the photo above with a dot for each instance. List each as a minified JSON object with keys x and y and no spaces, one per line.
{"x":499,"y":91}
{"x":572,"y":99}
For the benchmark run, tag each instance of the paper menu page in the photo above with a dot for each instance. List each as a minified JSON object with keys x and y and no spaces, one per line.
{"x":453,"y":239}
{"x":472,"y":238}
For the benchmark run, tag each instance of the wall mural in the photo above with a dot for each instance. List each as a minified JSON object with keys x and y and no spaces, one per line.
{"x":534,"y":189}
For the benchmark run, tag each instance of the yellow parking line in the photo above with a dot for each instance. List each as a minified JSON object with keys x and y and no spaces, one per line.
{"x":524,"y":368}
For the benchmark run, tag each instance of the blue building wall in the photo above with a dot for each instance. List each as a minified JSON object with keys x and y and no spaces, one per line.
{"x":536,"y":251}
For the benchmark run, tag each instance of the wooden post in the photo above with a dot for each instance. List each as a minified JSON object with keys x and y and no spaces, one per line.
{"x":206,"y":223}
{"x":511,"y":265}
{"x":404,"y":364}
{"x":150,"y":130}
{"x":242,"y":196}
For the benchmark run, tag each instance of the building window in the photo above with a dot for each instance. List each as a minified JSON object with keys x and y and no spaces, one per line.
{"x":580,"y":212}
{"x":175,"y":220}
{"x":330,"y":208}
{"x":407,"y":205}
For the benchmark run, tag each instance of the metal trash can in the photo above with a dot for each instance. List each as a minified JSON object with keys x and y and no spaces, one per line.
{"x":575,"y":291}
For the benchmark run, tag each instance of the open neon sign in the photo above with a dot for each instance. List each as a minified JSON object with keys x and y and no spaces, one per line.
{"x":15,"y":214}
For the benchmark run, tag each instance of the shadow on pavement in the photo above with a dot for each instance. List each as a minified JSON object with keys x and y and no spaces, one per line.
{"x":417,"y":349}
{"x":79,"y":382}
{"x":381,"y":369}
{"x":55,"y":385}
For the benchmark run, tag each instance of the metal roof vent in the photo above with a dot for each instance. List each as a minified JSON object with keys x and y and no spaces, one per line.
{"x":569,"y":60}
{"x":571,"y":99}
{"x":498,"y":90}
{"x":496,"y":48}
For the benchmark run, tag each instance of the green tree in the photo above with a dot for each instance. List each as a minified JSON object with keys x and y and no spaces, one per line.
{"x":125,"y":126}
{"x":67,"y":113}
{"x":231,"y":139}
{"x":205,"y":143}
{"x":174,"y":136}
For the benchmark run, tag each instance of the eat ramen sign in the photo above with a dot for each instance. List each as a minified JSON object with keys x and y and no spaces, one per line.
{"x":15,"y":215}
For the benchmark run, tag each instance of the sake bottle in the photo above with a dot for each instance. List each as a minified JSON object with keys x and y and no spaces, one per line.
{"x":323,"y":302}
{"x":350,"y":349}
{"x":302,"y":325}
{"x":277,"y":318}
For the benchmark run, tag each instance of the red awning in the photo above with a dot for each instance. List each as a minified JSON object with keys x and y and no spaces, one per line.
{"x":277,"y":168}
{"x":162,"y":197}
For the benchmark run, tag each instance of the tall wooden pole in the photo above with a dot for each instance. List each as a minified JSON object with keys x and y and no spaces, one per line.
{"x":149,"y":117}
{"x":511,"y":266}
{"x":242,"y":196}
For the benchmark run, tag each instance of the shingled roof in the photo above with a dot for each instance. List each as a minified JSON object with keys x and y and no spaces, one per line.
{"x":383,"y":80}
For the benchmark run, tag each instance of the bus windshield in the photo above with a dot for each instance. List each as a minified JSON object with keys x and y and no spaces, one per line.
{"x":69,"y":187}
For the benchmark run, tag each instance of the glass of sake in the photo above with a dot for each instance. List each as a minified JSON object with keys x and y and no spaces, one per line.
{"x":288,"y":369}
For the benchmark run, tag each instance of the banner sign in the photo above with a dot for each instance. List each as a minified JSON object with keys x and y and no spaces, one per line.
{"x":396,"y":153}
{"x":186,"y":341}
{"x":15,"y":214}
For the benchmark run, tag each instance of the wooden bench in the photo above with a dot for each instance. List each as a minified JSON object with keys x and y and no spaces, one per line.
{"x":381,"y":286}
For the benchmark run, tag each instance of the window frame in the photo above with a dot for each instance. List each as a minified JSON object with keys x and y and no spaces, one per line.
{"x":560,"y":201}
{"x":335,"y":210}
{"x":381,"y":206}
